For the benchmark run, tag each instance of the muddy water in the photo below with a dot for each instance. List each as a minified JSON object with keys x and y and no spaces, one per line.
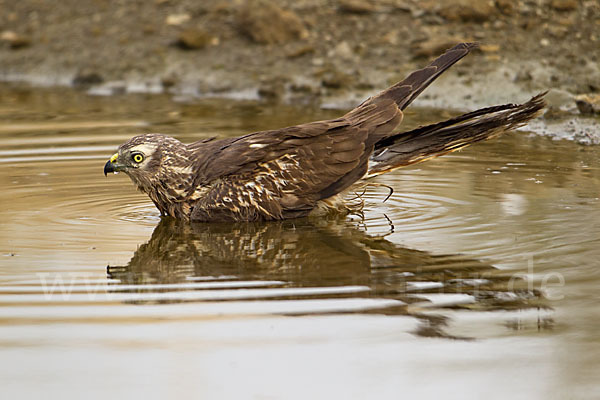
{"x":479,"y":276}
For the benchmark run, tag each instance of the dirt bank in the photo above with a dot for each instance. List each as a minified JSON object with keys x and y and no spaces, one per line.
{"x":330,"y":52}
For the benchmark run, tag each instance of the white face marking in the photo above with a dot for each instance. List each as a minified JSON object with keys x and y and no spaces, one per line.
{"x":146,"y":149}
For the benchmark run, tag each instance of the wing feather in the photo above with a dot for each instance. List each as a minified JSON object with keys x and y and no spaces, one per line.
{"x":284,"y":173}
{"x":275,"y":174}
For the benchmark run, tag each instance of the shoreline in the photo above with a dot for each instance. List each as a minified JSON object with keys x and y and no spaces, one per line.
{"x":331,"y":54}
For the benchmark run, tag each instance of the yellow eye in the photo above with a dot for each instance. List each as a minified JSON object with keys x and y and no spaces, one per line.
{"x":137,"y":157}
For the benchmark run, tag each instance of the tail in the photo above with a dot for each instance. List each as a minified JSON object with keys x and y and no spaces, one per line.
{"x":406,"y":91}
{"x":382,"y":113}
{"x":444,"y":137}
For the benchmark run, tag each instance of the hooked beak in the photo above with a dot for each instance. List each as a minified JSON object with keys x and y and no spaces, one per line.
{"x":111,"y":165}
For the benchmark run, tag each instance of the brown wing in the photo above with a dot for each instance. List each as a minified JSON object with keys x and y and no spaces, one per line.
{"x":284,"y":173}
{"x":406,"y":91}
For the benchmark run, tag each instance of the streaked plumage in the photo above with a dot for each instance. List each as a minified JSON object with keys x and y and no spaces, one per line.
{"x":290,"y":172}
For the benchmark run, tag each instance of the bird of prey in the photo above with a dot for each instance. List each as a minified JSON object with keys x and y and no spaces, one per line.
{"x":303,"y":169}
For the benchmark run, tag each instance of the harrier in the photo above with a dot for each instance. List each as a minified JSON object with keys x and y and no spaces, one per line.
{"x":295,"y":171}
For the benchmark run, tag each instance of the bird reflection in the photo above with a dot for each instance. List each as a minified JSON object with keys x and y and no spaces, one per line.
{"x":317,"y":253}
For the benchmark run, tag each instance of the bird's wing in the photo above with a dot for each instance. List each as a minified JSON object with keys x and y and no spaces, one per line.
{"x":282,"y":173}
{"x":407,"y":90}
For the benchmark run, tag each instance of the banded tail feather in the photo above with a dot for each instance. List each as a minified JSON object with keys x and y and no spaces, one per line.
{"x":426,"y":142}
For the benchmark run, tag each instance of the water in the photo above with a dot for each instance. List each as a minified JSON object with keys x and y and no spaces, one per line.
{"x":478,"y":277}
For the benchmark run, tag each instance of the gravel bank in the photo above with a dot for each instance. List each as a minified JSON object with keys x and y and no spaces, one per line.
{"x":332,"y":53}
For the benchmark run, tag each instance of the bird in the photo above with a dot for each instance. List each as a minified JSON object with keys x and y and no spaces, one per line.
{"x":306,"y":169}
{"x":291,"y":251}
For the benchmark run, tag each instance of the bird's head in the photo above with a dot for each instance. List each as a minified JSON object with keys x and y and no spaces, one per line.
{"x":147,"y":158}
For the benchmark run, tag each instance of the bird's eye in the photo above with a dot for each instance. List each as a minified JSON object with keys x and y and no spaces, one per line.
{"x":137,"y":157}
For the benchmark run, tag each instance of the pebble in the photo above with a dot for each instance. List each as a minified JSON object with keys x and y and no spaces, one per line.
{"x":335,"y":79}
{"x":14,"y":40}
{"x":191,"y":39}
{"x":434,"y":46}
{"x":564,"y":5}
{"x":318,"y":62}
{"x":489,"y":48}
{"x":87,"y":78}
{"x":467,"y":10}
{"x":507,"y":7}
{"x":300,"y":51}
{"x":588,"y":103}
{"x":109,"y":89}
{"x":558,"y":97}
{"x":271,"y":88}
{"x":355,"y":7}
{"x":266,"y":23}
{"x":177,"y":19}
{"x":342,"y":51}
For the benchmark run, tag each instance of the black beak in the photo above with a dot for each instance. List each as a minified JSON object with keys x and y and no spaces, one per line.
{"x":109,"y":167}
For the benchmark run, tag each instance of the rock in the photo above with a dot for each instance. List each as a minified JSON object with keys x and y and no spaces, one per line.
{"x":355,"y":7}
{"x":317,"y":62}
{"x":467,"y":10}
{"x":168,"y":81}
{"x":264,"y":22}
{"x":580,"y":130}
{"x":304,"y":87}
{"x":223,"y":7}
{"x":177,"y":19}
{"x":391,"y":38}
{"x":300,"y":51}
{"x":558,"y":32}
{"x":191,"y":39}
{"x":402,"y":5}
{"x":272,"y":88}
{"x":341,"y":51}
{"x":489,"y":48}
{"x":557,"y":99}
{"x":14,"y":40}
{"x":498,"y":24}
{"x":529,"y":24}
{"x":87,"y":78}
{"x":588,"y":103}
{"x":108,"y":89}
{"x":567,"y":21}
{"x":434,"y":46}
{"x":564,"y":5}
{"x":507,"y":7}
{"x":335,"y":79}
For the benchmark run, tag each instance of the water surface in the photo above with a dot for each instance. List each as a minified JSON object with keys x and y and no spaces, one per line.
{"x":479,"y":276}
